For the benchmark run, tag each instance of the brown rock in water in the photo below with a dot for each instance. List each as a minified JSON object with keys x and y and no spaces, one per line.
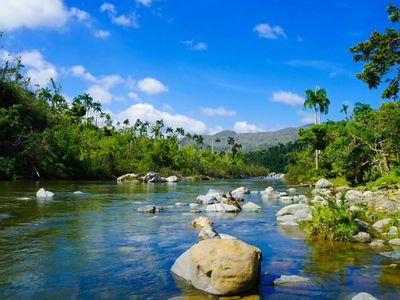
{"x":220,"y":266}
{"x":231,"y":201}
{"x":200,"y":222}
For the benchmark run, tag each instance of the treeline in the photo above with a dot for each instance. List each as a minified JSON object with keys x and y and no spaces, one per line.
{"x":363,"y":148}
{"x":44,"y":136}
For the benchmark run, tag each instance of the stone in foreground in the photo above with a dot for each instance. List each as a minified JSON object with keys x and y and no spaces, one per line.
{"x":220,"y":266}
{"x":363,"y":296}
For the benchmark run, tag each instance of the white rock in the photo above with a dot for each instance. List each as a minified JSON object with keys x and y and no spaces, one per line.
{"x":291,"y":190}
{"x":394,"y":242}
{"x":323,"y":184}
{"x":220,"y":207}
{"x":290,"y":279}
{"x":241,"y":190}
{"x":172,"y":179}
{"x":43,"y":194}
{"x":250,"y":206}
{"x":194,"y":205}
{"x":362,"y":237}
{"x":379,"y":225}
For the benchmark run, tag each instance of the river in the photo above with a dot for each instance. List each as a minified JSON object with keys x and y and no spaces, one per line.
{"x":97,"y":246}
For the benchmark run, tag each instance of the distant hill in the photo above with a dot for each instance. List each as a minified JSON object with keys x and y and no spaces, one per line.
{"x":252,"y":141}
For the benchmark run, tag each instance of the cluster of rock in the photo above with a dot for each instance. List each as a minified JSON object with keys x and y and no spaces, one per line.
{"x":151,"y":177}
{"x":218,"y":201}
{"x":375,"y":203}
{"x":273,"y":175}
{"x":286,"y":197}
{"x":219,"y":264}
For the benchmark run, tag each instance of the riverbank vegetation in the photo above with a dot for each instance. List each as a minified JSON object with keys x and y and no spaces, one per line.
{"x":42,"y":135}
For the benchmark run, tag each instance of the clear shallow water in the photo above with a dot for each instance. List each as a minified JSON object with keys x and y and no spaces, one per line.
{"x":97,"y":245}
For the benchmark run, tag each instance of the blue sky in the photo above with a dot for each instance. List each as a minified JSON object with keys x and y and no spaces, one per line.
{"x":206,"y":65}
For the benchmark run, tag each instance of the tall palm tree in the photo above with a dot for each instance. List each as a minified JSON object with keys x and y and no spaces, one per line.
{"x":320,"y":103}
{"x":97,"y":109}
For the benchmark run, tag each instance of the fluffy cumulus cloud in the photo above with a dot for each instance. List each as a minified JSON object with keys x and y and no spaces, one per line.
{"x":32,"y":14}
{"x":134,"y":96}
{"x":38,"y":69}
{"x":151,"y":86}
{"x":244,"y":127}
{"x":130,"y":20}
{"x":266,"y":31}
{"x":80,"y":15}
{"x":147,"y":112}
{"x":218,"y":111}
{"x":287,"y":98}
{"x":101,"y":86}
{"x":144,"y":2}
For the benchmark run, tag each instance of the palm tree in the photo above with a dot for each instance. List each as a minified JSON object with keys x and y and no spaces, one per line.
{"x":320,"y":103}
{"x":45,"y":95}
{"x":344,"y":110}
{"x":97,"y":109}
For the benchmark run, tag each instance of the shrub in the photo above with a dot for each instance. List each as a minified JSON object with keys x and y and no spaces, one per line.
{"x":331,"y":222}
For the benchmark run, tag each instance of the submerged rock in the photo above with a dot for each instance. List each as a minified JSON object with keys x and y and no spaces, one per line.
{"x":200,"y":222}
{"x":150,"y":209}
{"x":43,"y":194}
{"x":290,"y":279}
{"x":395,"y":255}
{"x":363,"y":296}
{"x":220,"y":266}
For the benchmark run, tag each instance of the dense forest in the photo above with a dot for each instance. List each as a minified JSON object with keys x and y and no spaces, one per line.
{"x":44,"y":136}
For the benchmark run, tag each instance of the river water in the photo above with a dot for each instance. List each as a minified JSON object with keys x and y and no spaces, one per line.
{"x":97,"y":246}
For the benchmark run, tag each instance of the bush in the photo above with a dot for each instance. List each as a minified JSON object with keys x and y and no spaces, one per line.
{"x":331,"y":222}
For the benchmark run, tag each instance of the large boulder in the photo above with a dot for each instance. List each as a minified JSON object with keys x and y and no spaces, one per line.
{"x":208,"y":199}
{"x":363,"y":296}
{"x":221,"y":207}
{"x":200,"y":222}
{"x":354,"y":197}
{"x":382,"y":204}
{"x":294,"y":214}
{"x":323,"y":184}
{"x":43,"y":194}
{"x":220,"y":266}
{"x":131,"y":177}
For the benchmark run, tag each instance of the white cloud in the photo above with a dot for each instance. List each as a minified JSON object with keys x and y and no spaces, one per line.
{"x":198,"y":46}
{"x":305,"y":117}
{"x":244,"y":127}
{"x":134,"y":96}
{"x":32,"y":14}
{"x":122,"y":20}
{"x":101,"y":86}
{"x":266,"y":31}
{"x":100,"y":93}
{"x":151,"y":86}
{"x":147,"y":112}
{"x":102,"y":34}
{"x":80,"y":15}
{"x":38,"y":69}
{"x":144,"y":2}
{"x":218,"y":111}
{"x":287,"y":98}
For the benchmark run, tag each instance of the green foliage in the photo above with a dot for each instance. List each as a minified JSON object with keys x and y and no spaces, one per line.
{"x":381,"y":57}
{"x":42,"y":136}
{"x":331,"y":222}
